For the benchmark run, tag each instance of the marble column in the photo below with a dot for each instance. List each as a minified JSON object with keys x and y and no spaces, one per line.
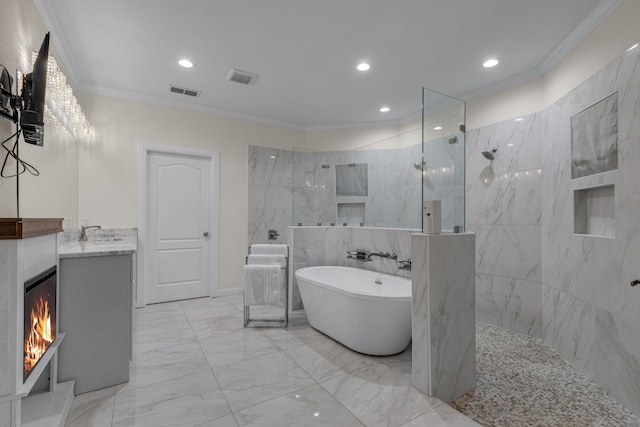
{"x":443,"y":323}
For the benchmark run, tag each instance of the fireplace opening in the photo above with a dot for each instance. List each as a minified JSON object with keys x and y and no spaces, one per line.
{"x":39,"y":318}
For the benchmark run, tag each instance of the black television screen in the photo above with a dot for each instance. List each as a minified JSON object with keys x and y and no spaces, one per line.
{"x":33,"y":92}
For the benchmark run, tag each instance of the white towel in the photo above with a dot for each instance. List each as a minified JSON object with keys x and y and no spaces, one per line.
{"x":268,"y":249}
{"x":263,"y":284}
{"x":267,"y":260}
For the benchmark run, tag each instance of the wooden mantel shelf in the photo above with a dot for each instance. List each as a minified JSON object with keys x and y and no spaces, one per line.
{"x":22,"y":228}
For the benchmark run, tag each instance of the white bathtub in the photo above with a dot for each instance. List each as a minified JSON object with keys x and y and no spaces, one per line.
{"x":346,"y":304}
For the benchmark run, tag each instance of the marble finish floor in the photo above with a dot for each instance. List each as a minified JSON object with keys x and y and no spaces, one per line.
{"x":195,"y":365}
{"x":523,"y":382}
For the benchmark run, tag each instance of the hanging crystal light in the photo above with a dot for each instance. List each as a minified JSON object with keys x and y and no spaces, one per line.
{"x":62,"y":112}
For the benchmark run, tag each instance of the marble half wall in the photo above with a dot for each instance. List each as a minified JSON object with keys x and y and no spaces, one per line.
{"x":313,"y":246}
{"x":443,"y":314}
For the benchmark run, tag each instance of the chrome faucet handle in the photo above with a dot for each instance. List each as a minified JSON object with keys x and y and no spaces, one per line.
{"x":359,"y":254}
{"x":404,"y":265}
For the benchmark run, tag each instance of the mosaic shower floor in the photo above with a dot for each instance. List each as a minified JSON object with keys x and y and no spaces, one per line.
{"x":523,"y":382}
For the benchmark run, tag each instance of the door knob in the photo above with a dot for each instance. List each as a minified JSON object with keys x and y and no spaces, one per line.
{"x":206,"y":234}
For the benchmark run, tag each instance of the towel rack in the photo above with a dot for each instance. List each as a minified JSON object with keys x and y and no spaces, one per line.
{"x":258,"y":322}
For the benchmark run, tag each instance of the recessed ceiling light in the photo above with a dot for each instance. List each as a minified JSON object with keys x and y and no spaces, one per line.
{"x":363,"y":66}
{"x":632,"y":47}
{"x":509,"y":145}
{"x":273,"y":157}
{"x":385,"y":109}
{"x":491,"y":62}
{"x":437,"y":128}
{"x":185,"y":63}
{"x":519,"y":119}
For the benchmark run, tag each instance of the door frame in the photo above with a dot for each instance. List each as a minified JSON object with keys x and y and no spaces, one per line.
{"x":144,"y":151}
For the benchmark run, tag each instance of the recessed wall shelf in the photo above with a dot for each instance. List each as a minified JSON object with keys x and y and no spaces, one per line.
{"x":351,"y":213}
{"x":594,"y":211}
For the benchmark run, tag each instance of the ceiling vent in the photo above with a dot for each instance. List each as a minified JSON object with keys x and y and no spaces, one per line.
{"x":242,"y":77}
{"x":183,"y":91}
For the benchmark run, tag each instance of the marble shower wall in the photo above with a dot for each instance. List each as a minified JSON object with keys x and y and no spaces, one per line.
{"x":312,"y":246}
{"x":534,"y":275}
{"x":504,"y":209}
{"x":270,"y":193}
{"x":394,"y":188}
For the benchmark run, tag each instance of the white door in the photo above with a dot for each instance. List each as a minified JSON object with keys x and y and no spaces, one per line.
{"x":179,"y":191}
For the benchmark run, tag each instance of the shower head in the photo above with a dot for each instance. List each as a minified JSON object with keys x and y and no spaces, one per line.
{"x":489,"y":155}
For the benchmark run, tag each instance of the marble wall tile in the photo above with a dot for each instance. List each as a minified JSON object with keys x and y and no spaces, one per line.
{"x":556,"y":132}
{"x":628,"y":186}
{"x":617,"y":355}
{"x":523,"y":307}
{"x":556,"y":247}
{"x":522,"y":200}
{"x":520,"y":143}
{"x":443,"y":289}
{"x":521,"y":253}
{"x":265,"y":170}
{"x":568,"y":326}
{"x":394,"y":187}
{"x":269,"y":208}
{"x":453,"y":355}
{"x":488,"y":248}
{"x":626,"y":73}
{"x":490,"y":291}
{"x":557,"y":196}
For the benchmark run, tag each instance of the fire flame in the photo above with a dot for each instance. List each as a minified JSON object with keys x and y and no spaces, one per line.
{"x":40,"y":335}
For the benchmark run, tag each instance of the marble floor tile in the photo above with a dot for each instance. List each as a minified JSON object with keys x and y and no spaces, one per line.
{"x":327,"y":359}
{"x":298,"y":333}
{"x":521,"y":382}
{"x":310,"y":406}
{"x":242,"y":345}
{"x":237,"y":300}
{"x":257,"y":380}
{"x":442,"y":416}
{"x":380,"y":396}
{"x":207,"y":328}
{"x":208,"y":308}
{"x":166,"y":363}
{"x":188,"y":400}
{"x":93,"y":409}
{"x":228,"y":421}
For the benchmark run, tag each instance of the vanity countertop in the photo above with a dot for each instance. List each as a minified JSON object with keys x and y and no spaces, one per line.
{"x":100,"y":243}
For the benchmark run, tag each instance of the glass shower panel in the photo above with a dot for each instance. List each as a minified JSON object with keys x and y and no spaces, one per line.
{"x":443,"y":156}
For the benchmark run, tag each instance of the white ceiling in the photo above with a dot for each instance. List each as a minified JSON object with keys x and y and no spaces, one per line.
{"x":305,"y":51}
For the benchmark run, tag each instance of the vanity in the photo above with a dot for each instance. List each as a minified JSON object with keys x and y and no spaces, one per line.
{"x":96,"y":288}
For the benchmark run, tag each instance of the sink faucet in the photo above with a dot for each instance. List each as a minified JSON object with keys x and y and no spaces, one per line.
{"x":83,"y":233}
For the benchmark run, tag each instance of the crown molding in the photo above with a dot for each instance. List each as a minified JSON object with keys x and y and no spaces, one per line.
{"x":65,"y":57}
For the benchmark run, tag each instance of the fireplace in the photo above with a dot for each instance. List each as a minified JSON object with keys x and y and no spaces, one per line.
{"x":39,"y":318}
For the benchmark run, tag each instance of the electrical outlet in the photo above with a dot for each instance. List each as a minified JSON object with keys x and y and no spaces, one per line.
{"x":67,"y":224}
{"x":85,"y":220}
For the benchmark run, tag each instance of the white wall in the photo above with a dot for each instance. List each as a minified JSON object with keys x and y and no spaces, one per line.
{"x":603,"y":45}
{"x":53,"y":193}
{"x":108,"y":168}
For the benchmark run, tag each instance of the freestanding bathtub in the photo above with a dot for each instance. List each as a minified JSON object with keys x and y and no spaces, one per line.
{"x":346,"y":304}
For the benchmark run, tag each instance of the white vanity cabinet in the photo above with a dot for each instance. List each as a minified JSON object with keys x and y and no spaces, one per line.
{"x":96,"y":314}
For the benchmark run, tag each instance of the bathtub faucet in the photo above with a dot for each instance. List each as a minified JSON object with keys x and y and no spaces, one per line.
{"x":362,"y":255}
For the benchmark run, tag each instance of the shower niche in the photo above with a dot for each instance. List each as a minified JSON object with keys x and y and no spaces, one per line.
{"x":594,"y":164}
